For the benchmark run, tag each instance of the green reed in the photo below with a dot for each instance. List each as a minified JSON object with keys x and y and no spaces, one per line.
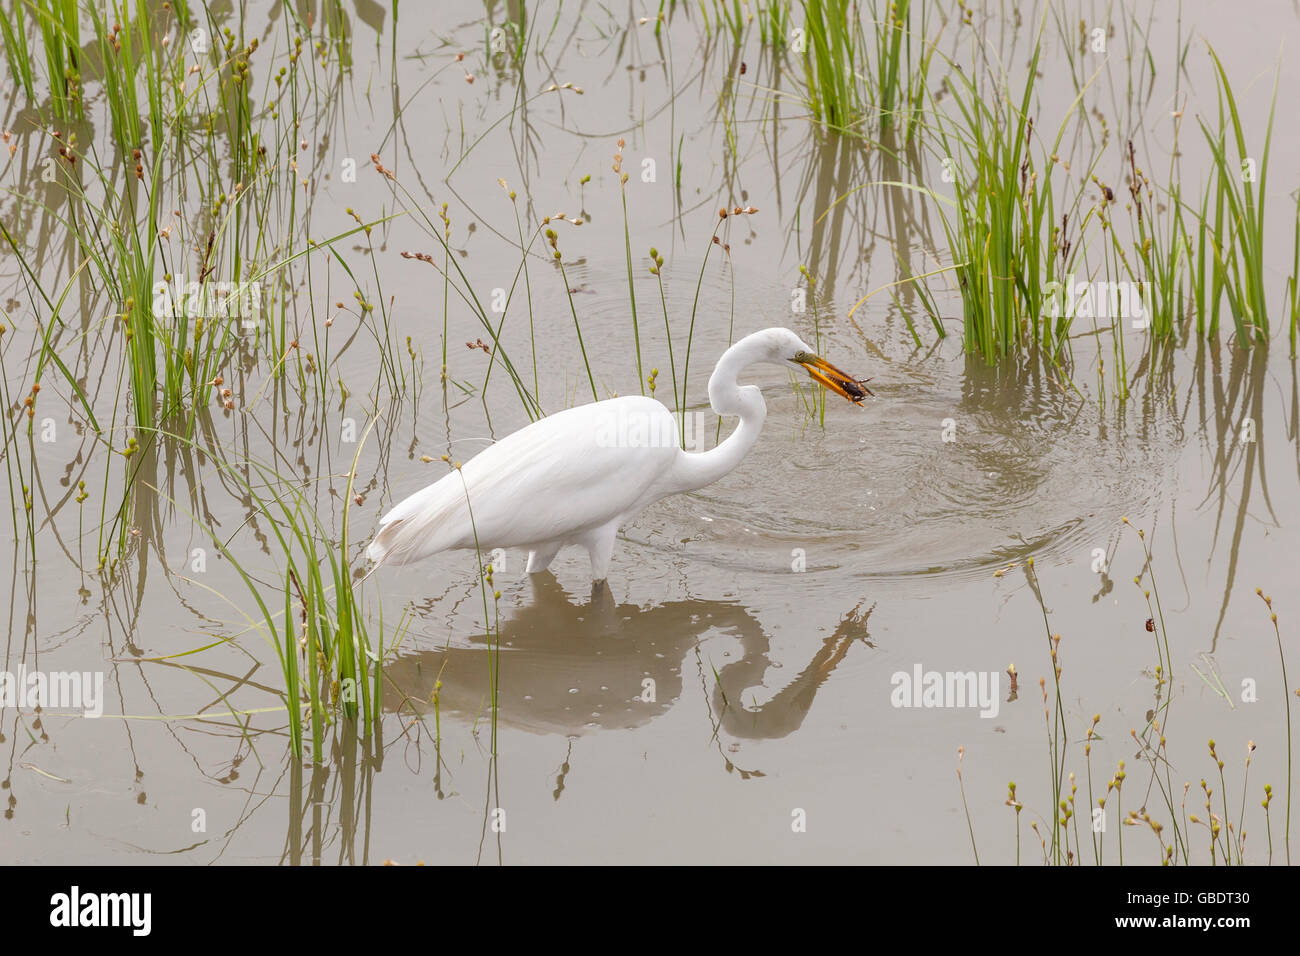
{"x":774,"y":23}
{"x":58,"y":23}
{"x":1002,"y":233}
{"x":117,"y":215}
{"x":627,"y":249}
{"x":1239,"y":180}
{"x":861,"y":65}
{"x":657,"y":270}
{"x":833,"y":63}
{"x":13,"y":32}
{"x":1159,"y":245}
{"x":1287,"y":691}
{"x":695,"y":307}
{"x":733,"y":15}
{"x":1293,"y":282}
{"x":323,"y":622}
{"x":903,"y":59}
{"x":814,"y":398}
{"x":553,"y":239}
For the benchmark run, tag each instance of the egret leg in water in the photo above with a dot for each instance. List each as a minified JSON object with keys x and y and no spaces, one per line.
{"x":575,"y":477}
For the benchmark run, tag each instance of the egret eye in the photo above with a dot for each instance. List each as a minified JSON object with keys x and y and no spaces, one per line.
{"x":800,"y":357}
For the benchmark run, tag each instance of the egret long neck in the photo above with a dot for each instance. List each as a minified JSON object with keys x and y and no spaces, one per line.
{"x":695,"y":470}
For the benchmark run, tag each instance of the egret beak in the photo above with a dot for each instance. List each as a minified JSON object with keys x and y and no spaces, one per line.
{"x":828,"y":376}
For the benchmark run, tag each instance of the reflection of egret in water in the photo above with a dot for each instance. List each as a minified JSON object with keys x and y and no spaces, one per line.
{"x":570,"y":669}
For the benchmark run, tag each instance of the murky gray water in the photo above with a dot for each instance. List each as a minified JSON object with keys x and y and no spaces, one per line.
{"x":768,"y":612}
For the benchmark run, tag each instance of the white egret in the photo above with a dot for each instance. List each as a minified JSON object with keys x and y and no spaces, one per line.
{"x":576,"y":476}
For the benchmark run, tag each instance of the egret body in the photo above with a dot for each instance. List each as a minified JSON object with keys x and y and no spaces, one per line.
{"x":573,"y":478}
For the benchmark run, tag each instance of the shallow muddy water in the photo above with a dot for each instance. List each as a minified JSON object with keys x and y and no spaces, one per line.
{"x":732,"y":696}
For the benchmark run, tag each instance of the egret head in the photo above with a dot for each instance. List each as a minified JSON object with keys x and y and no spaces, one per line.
{"x":788,"y":347}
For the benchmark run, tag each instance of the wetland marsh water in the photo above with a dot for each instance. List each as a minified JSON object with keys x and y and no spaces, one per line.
{"x":771,"y":610}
